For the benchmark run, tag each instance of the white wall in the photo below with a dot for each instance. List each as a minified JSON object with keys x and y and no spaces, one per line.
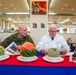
{"x":37,"y":33}
{"x":4,"y":35}
{"x":72,"y":36}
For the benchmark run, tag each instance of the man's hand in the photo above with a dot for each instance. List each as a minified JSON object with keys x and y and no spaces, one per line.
{"x":18,"y":47}
{"x":64,"y":51}
{"x":43,"y":51}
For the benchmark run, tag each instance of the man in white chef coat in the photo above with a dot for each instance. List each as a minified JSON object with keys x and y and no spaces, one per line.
{"x":52,"y":40}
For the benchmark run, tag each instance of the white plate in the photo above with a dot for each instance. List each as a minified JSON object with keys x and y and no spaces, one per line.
{"x":53,"y":59}
{"x":27,"y":59}
{"x":4,"y":57}
{"x":9,"y":53}
{"x":68,"y":54}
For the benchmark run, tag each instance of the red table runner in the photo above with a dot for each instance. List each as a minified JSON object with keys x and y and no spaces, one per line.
{"x":39,"y":62}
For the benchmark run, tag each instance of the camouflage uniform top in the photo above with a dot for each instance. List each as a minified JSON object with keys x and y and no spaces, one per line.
{"x":17,"y":40}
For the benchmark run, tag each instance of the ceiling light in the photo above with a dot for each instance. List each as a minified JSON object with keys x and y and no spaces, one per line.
{"x":65,"y":4}
{"x":14,"y":21}
{"x":62,"y":9}
{"x":66,"y":20}
{"x":52,"y":3}
{"x":15,"y":8}
{"x":10,"y":19}
{"x":5,"y":8}
{"x":11,"y":4}
{"x":0,"y":4}
{"x":18,"y":13}
{"x":72,"y":9}
{"x":52,"y":13}
{"x":27,"y":4}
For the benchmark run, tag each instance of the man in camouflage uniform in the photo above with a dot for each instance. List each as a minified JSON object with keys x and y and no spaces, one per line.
{"x":19,"y":38}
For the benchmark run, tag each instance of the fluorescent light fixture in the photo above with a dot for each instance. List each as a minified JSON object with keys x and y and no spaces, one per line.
{"x":10,"y":19}
{"x":27,"y":4}
{"x":61,"y":22}
{"x":17,"y":13}
{"x":52,"y":13}
{"x":64,"y":21}
{"x":14,"y":21}
{"x":52,"y":3}
{"x":50,"y":22}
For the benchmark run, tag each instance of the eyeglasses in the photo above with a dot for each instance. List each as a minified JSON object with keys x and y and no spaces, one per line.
{"x":52,"y":31}
{"x":25,"y":30}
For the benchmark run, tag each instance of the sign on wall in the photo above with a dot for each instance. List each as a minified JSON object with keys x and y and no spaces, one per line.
{"x":39,"y":7}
